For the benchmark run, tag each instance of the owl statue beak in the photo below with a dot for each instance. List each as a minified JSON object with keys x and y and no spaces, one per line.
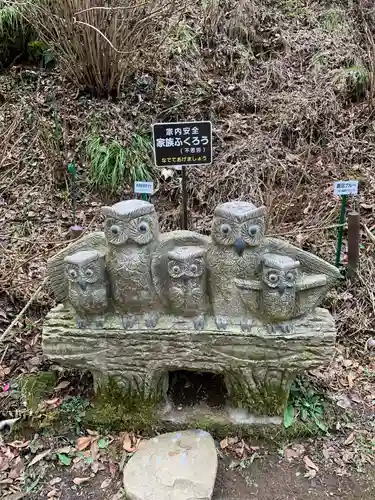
{"x":82,"y":284}
{"x":281,"y":288}
{"x":239,"y":245}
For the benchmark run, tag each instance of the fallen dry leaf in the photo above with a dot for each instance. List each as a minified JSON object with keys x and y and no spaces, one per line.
{"x":94,"y":449}
{"x":309,"y":463}
{"x":92,"y":433}
{"x":52,"y":493}
{"x":39,"y":457}
{"x":65,"y":449}
{"x":224,"y":443}
{"x":80,"y":480}
{"x":310,"y":474}
{"x":62,"y":385}
{"x":351,"y":377}
{"x":95,"y":467}
{"x":55,"y":480}
{"x":83,"y":442}
{"x":112,"y":468}
{"x":347,"y":456}
{"x":19,"y":444}
{"x":350,"y":439}
{"x":127,"y":442}
{"x":290,"y":453}
{"x":54,"y":402}
{"x":106,"y":483}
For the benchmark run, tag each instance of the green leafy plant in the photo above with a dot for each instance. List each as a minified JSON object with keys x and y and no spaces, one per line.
{"x":40,"y":53}
{"x":113,"y":165}
{"x":72,"y":411}
{"x":306,"y":404}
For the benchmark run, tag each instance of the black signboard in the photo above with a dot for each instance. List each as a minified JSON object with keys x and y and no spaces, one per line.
{"x":182,"y":144}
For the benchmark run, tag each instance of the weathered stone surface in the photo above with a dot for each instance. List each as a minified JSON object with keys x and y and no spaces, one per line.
{"x":140,"y":358}
{"x":138,"y":305}
{"x":173,"y":466}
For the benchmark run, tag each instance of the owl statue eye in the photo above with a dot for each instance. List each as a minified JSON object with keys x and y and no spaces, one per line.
{"x":89,"y":273}
{"x":290,"y":276}
{"x":253,"y":230}
{"x":175,"y":269}
{"x":273,"y":278}
{"x":194,"y":268}
{"x":72,"y":273}
{"x":143,"y":227}
{"x":115,"y":230}
{"x":225,"y":229}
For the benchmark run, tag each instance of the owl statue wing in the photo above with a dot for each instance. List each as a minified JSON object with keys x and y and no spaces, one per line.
{"x":311,"y":290}
{"x":55,"y":265}
{"x":159,"y":261}
{"x":310,"y":264}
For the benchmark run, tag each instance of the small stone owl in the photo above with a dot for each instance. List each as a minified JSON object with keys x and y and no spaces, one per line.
{"x":131,"y":230}
{"x":279,"y":280}
{"x":87,"y":286}
{"x":187,"y":283}
{"x":283,"y":291}
{"x":237,"y":232}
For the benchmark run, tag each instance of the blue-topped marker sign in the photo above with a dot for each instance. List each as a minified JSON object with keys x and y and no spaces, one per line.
{"x":144,"y":187}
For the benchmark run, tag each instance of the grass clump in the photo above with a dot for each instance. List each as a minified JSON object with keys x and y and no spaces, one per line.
{"x":113,"y":165}
{"x":14,"y":31}
{"x":333,"y":19}
{"x":100,"y":46}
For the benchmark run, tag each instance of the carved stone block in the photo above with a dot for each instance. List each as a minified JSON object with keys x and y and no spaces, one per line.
{"x":137,"y":305}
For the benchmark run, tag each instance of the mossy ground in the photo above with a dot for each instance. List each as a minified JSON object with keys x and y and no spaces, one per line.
{"x":113,"y":409}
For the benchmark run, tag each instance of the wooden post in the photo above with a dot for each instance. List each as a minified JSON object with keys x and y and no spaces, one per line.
{"x":75,"y":232}
{"x":184,"y":216}
{"x":354,"y":236}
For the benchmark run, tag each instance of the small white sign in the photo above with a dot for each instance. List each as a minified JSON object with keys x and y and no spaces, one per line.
{"x":144,"y":187}
{"x":342,"y":188}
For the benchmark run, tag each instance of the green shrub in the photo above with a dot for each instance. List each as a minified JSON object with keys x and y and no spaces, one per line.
{"x":113,"y":165}
{"x":13,"y":33}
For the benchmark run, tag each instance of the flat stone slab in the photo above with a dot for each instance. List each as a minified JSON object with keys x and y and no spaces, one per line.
{"x":174,"y":466}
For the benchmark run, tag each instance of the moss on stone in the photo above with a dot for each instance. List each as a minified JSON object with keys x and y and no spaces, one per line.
{"x":115,"y":409}
{"x":270,"y":401}
{"x":35,"y":387}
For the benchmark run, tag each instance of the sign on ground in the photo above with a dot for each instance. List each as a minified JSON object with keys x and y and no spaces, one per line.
{"x":144,"y":187}
{"x":342,"y":188}
{"x":185,"y":143}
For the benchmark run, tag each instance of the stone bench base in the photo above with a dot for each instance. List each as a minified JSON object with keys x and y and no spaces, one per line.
{"x":257,"y":367}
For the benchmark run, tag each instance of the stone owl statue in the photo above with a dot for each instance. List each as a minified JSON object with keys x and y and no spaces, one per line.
{"x":131,"y":230}
{"x":87,"y":286}
{"x":237,"y":231}
{"x":187,"y":283}
{"x":282,"y":292}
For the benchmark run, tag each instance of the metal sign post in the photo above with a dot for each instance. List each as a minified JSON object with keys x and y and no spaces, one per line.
{"x":182,"y":144}
{"x":343,"y":189}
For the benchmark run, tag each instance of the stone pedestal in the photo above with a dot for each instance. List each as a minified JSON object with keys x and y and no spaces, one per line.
{"x":257,"y":366}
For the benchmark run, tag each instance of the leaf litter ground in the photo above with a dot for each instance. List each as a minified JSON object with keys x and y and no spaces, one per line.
{"x":287,"y":123}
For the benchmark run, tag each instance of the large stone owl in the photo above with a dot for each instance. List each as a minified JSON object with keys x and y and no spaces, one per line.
{"x":131,"y":230}
{"x":237,"y":231}
{"x":282,"y":292}
{"x":87,"y":286}
{"x":187,"y":283}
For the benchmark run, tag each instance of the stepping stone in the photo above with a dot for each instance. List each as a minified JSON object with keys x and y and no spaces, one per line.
{"x":174,"y":466}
